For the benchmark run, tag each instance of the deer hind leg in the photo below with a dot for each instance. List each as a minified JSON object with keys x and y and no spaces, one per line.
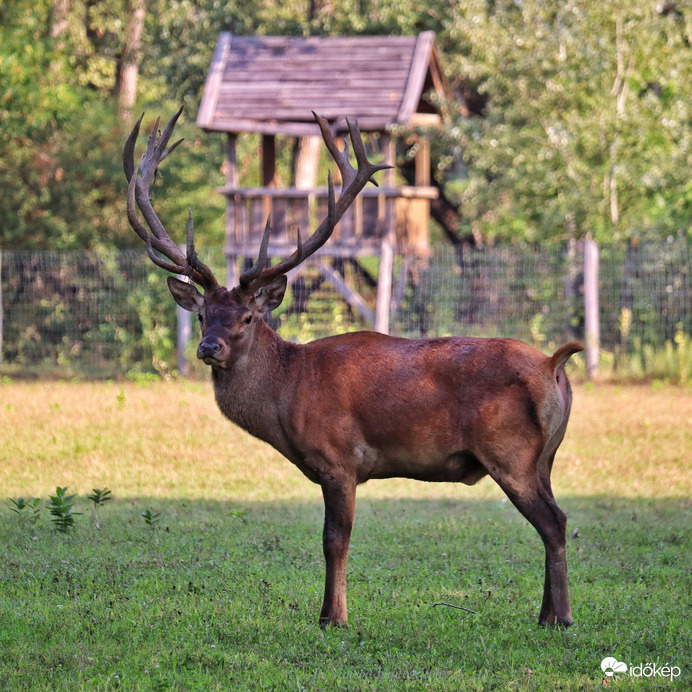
{"x":339,"y":494}
{"x":528,"y":487}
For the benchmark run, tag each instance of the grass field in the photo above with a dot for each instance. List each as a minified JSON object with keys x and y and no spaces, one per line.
{"x":224,"y":591}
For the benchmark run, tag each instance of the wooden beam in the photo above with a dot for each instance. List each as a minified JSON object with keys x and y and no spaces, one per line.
{"x":234,"y":233}
{"x":384,"y":282}
{"x":354,"y":299}
{"x":269,"y":161}
{"x":389,"y":154}
{"x":406,"y":191}
{"x":212,"y":88}
{"x":232,"y":163}
{"x":296,"y":127}
{"x":425,"y":120}
{"x":423,"y":163}
{"x":416,"y":79}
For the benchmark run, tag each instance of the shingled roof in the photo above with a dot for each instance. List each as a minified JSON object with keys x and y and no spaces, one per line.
{"x":270,"y":84}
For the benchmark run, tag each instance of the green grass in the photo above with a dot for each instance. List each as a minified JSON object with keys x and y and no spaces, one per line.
{"x":224,"y":591}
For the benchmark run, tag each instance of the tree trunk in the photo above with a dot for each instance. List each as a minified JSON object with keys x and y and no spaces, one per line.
{"x":305,"y":160}
{"x":128,"y":63}
{"x":58,"y":18}
{"x":58,"y":30}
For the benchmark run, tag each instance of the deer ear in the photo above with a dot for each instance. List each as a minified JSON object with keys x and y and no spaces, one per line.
{"x":185,"y":294}
{"x":270,"y":296}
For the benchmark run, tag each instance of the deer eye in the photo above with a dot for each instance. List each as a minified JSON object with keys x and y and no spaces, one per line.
{"x":248,"y":319}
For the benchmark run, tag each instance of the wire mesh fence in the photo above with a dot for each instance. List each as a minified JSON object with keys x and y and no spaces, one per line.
{"x":106,"y":314}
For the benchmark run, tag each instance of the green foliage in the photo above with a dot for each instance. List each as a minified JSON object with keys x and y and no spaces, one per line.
{"x":151,"y":519}
{"x":27,"y":508}
{"x":100,"y":497}
{"x":34,"y":93}
{"x":61,"y":508}
{"x":584,"y":131}
{"x":585,"y":127}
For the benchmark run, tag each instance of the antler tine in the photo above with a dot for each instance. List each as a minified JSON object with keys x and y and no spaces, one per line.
{"x":138,"y":197}
{"x":129,"y":149}
{"x":348,"y":173}
{"x":259,"y":266}
{"x":193,"y":260}
{"x":168,"y":266}
{"x":353,"y":181}
{"x":152,"y":242}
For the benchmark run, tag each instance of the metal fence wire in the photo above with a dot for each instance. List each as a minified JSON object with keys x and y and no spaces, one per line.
{"x":105,"y":314}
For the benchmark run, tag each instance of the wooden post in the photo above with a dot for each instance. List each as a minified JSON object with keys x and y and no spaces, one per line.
{"x":269,"y":178}
{"x":269,"y":160}
{"x":384,"y":280}
{"x":423,"y":163}
{"x":591,"y":314}
{"x":233,"y":233}
{"x":183,"y":332}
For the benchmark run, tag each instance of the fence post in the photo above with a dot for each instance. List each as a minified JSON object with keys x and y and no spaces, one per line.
{"x":384,"y":285}
{"x":183,"y":332}
{"x":183,"y":319}
{"x":591,"y":314}
{"x":384,"y":279}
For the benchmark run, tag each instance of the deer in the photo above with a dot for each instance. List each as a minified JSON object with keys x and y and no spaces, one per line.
{"x":349,"y":408}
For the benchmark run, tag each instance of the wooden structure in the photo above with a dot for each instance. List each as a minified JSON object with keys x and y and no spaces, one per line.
{"x":270,"y":85}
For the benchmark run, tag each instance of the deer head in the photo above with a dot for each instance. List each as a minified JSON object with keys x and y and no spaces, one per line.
{"x":230,"y":318}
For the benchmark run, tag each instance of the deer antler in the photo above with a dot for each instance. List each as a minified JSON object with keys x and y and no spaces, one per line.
{"x":139,"y":196}
{"x":354,"y":180}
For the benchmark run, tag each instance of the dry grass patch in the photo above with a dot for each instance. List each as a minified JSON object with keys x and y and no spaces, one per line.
{"x":169,"y":440}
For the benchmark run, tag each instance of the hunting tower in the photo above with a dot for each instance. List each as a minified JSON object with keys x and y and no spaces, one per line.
{"x":269,"y":85}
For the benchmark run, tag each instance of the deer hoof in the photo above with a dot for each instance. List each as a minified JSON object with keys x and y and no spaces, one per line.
{"x":556,"y":623}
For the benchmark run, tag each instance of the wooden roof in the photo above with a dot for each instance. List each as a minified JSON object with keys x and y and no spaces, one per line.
{"x":270,"y":84}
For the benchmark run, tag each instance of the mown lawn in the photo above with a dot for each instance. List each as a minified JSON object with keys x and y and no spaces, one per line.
{"x":224,"y":591}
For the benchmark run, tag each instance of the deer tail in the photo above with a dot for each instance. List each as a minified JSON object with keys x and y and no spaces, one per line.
{"x":563,"y":354}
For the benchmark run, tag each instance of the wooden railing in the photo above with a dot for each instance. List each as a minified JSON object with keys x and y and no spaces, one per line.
{"x":381,"y":220}
{"x":376,"y":212}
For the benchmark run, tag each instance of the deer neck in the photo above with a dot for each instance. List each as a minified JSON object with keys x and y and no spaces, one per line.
{"x":255,"y":391}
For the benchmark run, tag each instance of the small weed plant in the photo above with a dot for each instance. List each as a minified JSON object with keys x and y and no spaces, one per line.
{"x":151,"y":519}
{"x":61,"y":507}
{"x":27,"y":509}
{"x":99,"y":498}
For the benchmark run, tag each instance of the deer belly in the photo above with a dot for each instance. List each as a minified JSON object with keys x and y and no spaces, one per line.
{"x":460,"y":467}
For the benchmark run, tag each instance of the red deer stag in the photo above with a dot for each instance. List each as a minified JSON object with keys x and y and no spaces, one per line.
{"x":352,"y":407}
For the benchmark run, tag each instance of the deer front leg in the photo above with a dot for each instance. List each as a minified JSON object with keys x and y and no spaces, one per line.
{"x":339,"y":494}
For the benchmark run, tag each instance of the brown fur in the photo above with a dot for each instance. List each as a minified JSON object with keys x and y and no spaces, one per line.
{"x":358,"y":406}
{"x":350,"y":408}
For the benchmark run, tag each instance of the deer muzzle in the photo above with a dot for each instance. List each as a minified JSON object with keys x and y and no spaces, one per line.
{"x":208,"y":350}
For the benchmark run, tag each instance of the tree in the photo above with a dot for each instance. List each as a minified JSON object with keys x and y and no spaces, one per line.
{"x":128,"y":61}
{"x":570,"y":117}
{"x":585,"y":127}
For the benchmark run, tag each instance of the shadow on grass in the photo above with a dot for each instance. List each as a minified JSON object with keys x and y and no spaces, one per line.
{"x":217,"y":594}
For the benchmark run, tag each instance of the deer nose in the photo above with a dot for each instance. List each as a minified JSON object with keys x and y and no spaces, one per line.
{"x":208,"y":350}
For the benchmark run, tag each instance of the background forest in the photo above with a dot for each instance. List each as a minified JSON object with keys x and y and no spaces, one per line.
{"x":568,"y":118}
